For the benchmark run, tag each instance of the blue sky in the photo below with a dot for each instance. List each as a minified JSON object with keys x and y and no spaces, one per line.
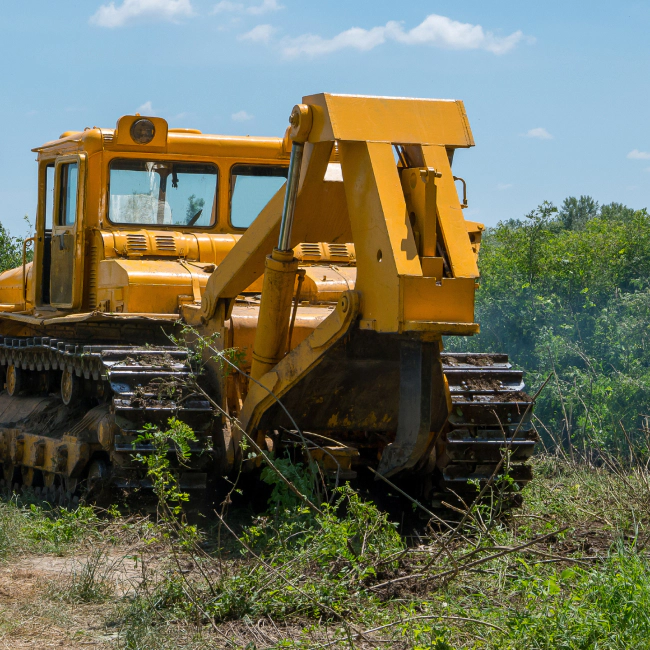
{"x":557,"y":93}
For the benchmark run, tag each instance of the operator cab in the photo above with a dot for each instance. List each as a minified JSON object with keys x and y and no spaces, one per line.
{"x":112,"y":193}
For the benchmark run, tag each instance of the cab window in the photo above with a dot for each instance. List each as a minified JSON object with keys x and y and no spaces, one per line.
{"x":49,"y":196}
{"x":162,"y":193}
{"x":68,"y":180}
{"x":251,"y":188}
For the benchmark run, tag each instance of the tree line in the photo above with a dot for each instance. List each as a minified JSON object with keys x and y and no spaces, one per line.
{"x":566,"y":292}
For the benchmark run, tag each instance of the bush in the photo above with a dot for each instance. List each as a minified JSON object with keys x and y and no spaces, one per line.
{"x":568,"y":293}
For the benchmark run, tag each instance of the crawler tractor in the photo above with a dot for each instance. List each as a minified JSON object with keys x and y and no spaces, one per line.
{"x":332,"y":260}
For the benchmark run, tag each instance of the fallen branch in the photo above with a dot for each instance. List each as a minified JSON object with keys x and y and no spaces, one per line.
{"x":465,"y":567}
{"x":424,"y":617}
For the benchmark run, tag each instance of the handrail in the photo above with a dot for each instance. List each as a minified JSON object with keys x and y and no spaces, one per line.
{"x":25,"y":242}
{"x":462,"y":180}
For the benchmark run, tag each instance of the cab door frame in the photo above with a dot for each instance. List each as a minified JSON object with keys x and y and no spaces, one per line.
{"x":41,"y":258}
{"x":76,"y":230}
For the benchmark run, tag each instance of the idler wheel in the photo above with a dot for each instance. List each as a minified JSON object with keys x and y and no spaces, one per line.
{"x":70,"y":386}
{"x":15,"y":380}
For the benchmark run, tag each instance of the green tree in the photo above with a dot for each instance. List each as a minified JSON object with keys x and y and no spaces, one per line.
{"x":616,"y":212}
{"x":11,"y":249}
{"x":194,"y":206}
{"x":574,"y":302}
{"x":575,"y":213}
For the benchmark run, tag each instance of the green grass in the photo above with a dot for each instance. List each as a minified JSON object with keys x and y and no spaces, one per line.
{"x":293,"y":578}
{"x":28,"y":527}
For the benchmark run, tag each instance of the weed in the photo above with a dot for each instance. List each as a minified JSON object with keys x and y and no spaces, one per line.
{"x":53,"y":531}
{"x":89,"y":582}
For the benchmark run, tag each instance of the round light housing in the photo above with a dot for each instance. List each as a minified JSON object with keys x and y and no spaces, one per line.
{"x":143,"y":131}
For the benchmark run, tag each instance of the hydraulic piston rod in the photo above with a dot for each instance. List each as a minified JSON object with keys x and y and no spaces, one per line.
{"x":280,"y":266}
{"x":295,"y":163}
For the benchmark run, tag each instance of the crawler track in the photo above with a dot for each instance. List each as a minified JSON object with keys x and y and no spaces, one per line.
{"x":491,"y":412}
{"x":114,"y":391}
{"x":61,"y":450}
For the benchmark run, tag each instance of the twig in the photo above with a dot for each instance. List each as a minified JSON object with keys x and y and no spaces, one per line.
{"x":410,"y":498}
{"x":268,"y":461}
{"x":425,"y":617}
{"x":444,"y":574}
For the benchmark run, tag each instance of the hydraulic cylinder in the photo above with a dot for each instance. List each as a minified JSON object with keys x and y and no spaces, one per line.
{"x":275,"y":311}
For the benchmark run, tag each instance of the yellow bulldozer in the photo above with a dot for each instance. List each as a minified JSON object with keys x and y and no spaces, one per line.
{"x":332,"y":260}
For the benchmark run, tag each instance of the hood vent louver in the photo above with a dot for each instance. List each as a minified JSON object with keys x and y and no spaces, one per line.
{"x":136,"y":243}
{"x":325,"y":252}
{"x":309,"y":251}
{"x":166,"y":243}
{"x":338,"y":250}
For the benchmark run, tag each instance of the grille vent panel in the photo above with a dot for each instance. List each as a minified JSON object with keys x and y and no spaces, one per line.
{"x":310,"y":250}
{"x":338,"y":250}
{"x":136,"y":243}
{"x":166,"y":243}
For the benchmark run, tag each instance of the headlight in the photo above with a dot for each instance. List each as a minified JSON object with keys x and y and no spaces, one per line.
{"x":142,"y":131}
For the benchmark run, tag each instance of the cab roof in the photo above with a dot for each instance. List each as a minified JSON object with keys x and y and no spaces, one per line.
{"x":164,"y":140}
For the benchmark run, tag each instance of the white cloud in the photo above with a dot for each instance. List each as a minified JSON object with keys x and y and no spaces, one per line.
{"x":146,"y":109}
{"x":266,"y":7}
{"x":255,"y":10}
{"x":356,"y":38}
{"x":129,"y":11}
{"x":435,"y":30}
{"x":451,"y":34}
{"x":539,"y":133}
{"x":504,"y":186}
{"x":259,"y":34}
{"x":241,"y":116}
{"x":635,"y":154}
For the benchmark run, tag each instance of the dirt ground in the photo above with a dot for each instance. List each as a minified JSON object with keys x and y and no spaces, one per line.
{"x":33,"y":613}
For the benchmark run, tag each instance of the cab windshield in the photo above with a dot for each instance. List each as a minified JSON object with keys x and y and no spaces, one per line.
{"x":162,"y":193}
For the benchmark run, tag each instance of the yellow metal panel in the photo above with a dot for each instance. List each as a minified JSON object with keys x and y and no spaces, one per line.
{"x":389,"y":119}
{"x":11,"y":287}
{"x":450,"y":215}
{"x":326,"y":283}
{"x":147,"y":286}
{"x":384,"y":243}
{"x":321,"y":209}
{"x":432,"y":267}
{"x":447,"y":301}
